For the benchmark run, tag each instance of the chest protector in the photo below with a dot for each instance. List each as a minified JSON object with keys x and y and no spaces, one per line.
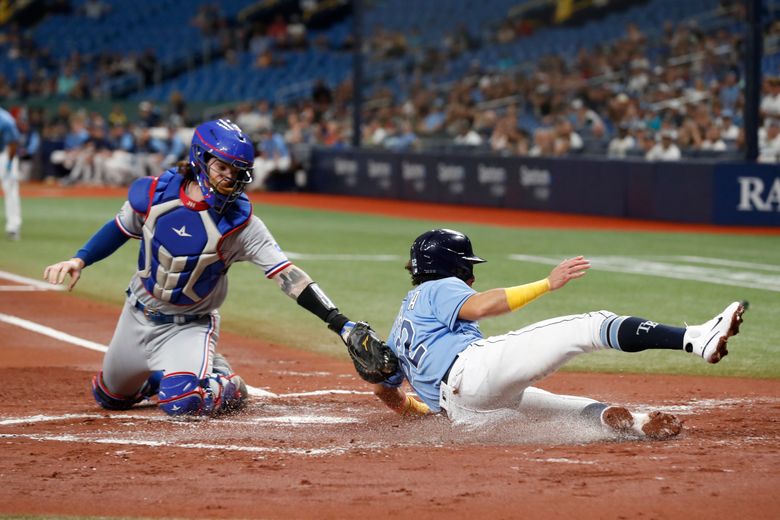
{"x":180,"y":260}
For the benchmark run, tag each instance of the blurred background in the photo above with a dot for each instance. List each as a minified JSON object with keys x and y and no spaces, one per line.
{"x":106,"y":91}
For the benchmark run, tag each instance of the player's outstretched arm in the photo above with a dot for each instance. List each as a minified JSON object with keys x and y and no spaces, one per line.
{"x":374,"y":361}
{"x":103,"y":243}
{"x":495,"y":302}
{"x":56,"y":273}
{"x":401,"y":402}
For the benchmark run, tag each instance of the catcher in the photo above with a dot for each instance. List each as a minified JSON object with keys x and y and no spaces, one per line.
{"x":193,"y":222}
{"x":452,"y":367}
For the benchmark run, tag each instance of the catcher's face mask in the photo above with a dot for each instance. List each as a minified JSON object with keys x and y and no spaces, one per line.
{"x":223,"y":159}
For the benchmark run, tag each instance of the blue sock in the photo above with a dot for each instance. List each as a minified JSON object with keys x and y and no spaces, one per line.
{"x":633,"y":334}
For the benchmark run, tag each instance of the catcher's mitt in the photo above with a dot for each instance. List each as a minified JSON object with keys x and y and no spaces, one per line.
{"x":373,"y":359}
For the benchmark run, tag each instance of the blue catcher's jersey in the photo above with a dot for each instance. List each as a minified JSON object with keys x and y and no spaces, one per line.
{"x":181,"y":272}
{"x":427,"y":335}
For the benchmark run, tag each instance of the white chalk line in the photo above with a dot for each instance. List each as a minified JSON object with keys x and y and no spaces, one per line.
{"x":23,"y":280}
{"x":52,"y":333}
{"x":20,"y":288}
{"x":288,"y":420}
{"x":197,"y":445}
{"x":726,"y":274}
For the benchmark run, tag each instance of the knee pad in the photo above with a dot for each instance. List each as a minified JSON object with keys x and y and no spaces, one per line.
{"x":182,"y":393}
{"x":108,"y":400}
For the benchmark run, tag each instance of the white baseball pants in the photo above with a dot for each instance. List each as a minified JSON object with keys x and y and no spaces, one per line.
{"x":10,"y":183}
{"x":496,"y":373}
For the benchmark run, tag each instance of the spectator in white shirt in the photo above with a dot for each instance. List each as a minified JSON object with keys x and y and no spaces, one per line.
{"x":728,"y":130}
{"x":770,"y":102}
{"x":665,"y":149}
{"x":769,"y":142}
{"x":713,"y":141}
{"x":622,"y":143}
{"x":467,"y":135}
{"x":567,"y":141}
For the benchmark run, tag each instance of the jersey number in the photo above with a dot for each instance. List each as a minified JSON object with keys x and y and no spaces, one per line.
{"x":406,"y":337}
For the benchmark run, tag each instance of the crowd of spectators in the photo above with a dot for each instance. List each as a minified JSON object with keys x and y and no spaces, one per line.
{"x":675,"y":95}
{"x":661,"y":97}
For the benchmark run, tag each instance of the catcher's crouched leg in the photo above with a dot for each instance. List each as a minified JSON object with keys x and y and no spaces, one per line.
{"x":182,"y":393}
{"x":111,"y":401}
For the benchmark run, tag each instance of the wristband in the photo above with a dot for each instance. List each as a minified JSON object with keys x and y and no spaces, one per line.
{"x":346,"y":329}
{"x":520,"y":295}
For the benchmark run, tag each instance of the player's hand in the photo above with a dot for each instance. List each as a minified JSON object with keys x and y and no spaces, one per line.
{"x":569,"y":269}
{"x":56,"y":273}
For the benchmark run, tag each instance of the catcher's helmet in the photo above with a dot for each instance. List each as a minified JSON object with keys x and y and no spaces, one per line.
{"x":441,"y":253}
{"x":227,"y":142}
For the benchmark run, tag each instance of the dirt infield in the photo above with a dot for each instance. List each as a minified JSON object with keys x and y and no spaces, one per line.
{"x":314,"y":444}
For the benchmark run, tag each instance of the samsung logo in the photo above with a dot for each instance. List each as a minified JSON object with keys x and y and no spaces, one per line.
{"x":755,"y":195}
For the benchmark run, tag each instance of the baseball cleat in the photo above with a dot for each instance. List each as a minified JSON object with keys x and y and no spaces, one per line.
{"x":619,"y":419}
{"x":655,"y":425}
{"x":660,"y":425}
{"x":236,"y":395}
{"x":709,"y":339}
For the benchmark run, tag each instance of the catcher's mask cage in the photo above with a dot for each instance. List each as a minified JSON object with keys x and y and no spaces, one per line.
{"x":224,"y":140}
{"x":441,"y":253}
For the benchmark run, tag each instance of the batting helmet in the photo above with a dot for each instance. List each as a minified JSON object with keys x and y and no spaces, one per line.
{"x":441,"y":253}
{"x":227,"y":142}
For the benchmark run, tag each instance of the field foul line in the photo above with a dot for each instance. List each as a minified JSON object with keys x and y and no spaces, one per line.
{"x":287,"y":420}
{"x":52,"y":333}
{"x":725,"y":274}
{"x":20,"y":288}
{"x":43,"y":286}
{"x":198,"y":445}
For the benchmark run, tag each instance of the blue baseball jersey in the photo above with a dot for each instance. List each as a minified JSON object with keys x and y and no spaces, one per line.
{"x":9,"y":133}
{"x":427,"y":336}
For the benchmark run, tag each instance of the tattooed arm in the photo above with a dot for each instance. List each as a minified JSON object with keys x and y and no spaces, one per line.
{"x":295,"y":283}
{"x":292,"y":281}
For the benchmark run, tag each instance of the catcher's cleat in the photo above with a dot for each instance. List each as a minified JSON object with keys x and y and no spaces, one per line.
{"x":236,"y":395}
{"x":655,"y":425}
{"x":709,"y":339}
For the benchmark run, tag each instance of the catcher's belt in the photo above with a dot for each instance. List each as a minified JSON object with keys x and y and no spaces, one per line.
{"x":157,"y":316}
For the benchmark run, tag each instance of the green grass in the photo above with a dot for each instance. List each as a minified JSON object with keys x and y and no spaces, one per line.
{"x":371,"y":290}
